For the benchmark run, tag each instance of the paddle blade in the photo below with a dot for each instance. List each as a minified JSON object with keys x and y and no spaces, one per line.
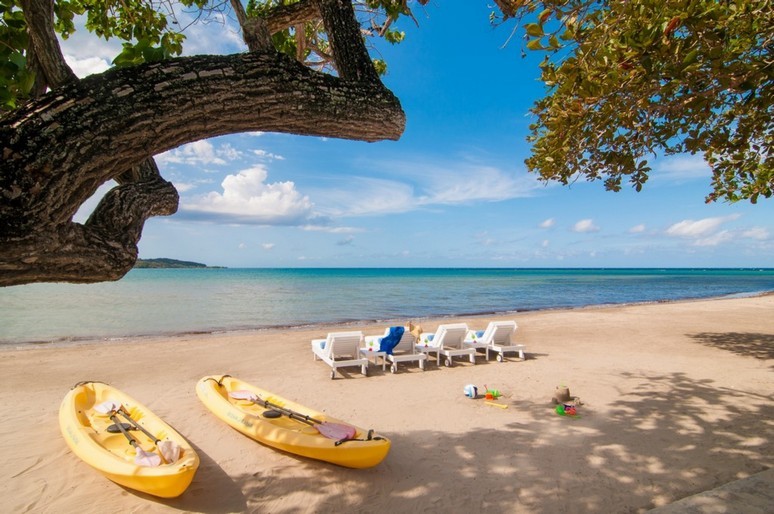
{"x":170,"y":450}
{"x":244,"y":395}
{"x":107,"y":407}
{"x":336,"y":431}
{"x":147,"y":459}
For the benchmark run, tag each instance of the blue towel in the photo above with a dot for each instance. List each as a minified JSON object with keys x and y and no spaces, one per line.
{"x":391,"y":340}
{"x":480,"y":333}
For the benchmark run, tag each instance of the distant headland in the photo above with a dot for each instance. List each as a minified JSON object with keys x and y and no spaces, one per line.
{"x":169,"y":263}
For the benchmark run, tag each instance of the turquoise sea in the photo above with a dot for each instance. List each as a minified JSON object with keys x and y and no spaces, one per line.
{"x":176,"y":301}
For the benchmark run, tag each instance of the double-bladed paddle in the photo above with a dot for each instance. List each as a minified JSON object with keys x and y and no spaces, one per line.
{"x":169,"y":451}
{"x":337,"y":431}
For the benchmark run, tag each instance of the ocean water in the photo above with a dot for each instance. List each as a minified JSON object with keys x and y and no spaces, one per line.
{"x":175,"y":301}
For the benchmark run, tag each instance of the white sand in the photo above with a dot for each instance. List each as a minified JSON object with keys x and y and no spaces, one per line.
{"x":677,"y":398}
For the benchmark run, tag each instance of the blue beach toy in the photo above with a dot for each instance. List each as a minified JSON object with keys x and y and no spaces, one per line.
{"x":471,"y":391}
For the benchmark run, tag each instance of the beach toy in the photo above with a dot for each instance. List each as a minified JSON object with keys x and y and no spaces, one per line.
{"x":564,"y":409}
{"x":470,"y":391}
{"x":492,"y":393}
{"x":493,"y":404}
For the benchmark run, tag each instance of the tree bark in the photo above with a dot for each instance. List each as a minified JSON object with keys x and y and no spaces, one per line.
{"x":255,"y":32}
{"x":50,"y":64}
{"x":59,"y":149}
{"x":346,"y":40}
{"x":284,"y":16}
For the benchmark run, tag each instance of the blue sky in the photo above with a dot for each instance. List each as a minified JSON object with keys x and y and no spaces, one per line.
{"x":452,"y":192}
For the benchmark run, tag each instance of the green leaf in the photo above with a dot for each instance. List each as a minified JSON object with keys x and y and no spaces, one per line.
{"x":690,"y":57}
{"x":534,"y":30}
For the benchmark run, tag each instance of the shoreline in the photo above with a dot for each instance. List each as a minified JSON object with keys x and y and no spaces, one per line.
{"x":64,"y":342}
{"x":676,"y":399}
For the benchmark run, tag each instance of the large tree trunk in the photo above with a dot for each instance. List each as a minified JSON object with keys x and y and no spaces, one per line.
{"x":57,"y":150}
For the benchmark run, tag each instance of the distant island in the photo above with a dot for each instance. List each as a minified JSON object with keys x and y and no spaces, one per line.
{"x":169,"y":263}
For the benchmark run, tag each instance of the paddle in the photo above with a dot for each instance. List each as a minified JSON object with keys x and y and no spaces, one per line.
{"x":142,"y":458}
{"x":169,"y":451}
{"x":114,"y":429}
{"x":337,"y":431}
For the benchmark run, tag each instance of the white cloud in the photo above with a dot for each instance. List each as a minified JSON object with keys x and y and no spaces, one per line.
{"x":83,"y":67}
{"x":424,"y":186}
{"x":200,"y":153}
{"x":255,"y":133}
{"x":196,"y":153}
{"x":585,"y":226}
{"x":347,"y":241}
{"x":267,"y":246}
{"x":637,"y":229}
{"x":364,"y":196}
{"x":547,"y":223}
{"x":182,"y":187}
{"x":544,"y":244}
{"x":217,"y":34}
{"x":83,"y":45}
{"x":715,"y":239}
{"x":698,"y":228}
{"x":472,"y":183}
{"x":228,"y":152}
{"x":263,"y":154}
{"x":332,"y":230}
{"x":759,"y":233}
{"x":248,"y":199}
{"x":681,"y":167}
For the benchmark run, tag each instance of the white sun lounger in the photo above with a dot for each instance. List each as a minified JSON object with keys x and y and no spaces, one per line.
{"x":404,"y":351}
{"x":448,"y":340}
{"x":340,"y":350}
{"x":498,"y":337}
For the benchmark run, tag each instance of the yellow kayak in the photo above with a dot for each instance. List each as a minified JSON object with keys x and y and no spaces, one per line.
{"x":99,"y":423}
{"x":288,"y":426}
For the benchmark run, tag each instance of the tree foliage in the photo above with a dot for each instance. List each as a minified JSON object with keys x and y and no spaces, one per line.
{"x":150,"y":32}
{"x":626,"y":81}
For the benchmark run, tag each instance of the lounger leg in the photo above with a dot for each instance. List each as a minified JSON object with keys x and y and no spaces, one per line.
{"x":521,"y":354}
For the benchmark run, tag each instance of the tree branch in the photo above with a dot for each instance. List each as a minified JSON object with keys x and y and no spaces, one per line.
{"x":346,"y":40}
{"x":44,"y":46}
{"x":58,"y":149}
{"x":285,"y":16}
{"x":254,"y":30}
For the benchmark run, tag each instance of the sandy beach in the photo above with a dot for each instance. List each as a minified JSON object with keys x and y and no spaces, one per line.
{"x":676,"y":399}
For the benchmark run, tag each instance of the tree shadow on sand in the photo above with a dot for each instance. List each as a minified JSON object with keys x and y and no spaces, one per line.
{"x":759,"y":346}
{"x":652,"y":448}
